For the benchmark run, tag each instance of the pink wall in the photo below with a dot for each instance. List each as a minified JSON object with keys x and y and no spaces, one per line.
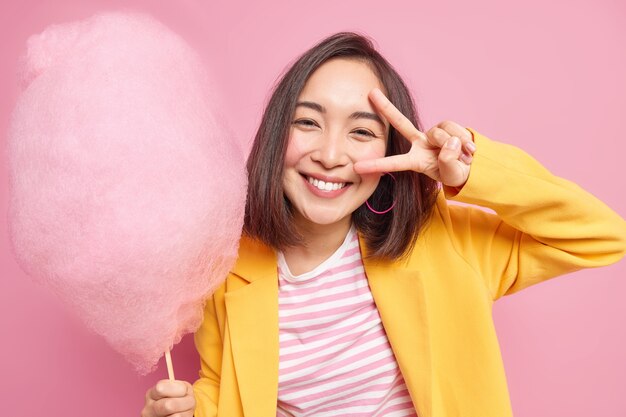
{"x":546,"y":76}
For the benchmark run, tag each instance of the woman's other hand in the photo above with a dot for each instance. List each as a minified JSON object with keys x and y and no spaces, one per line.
{"x":169,"y":398}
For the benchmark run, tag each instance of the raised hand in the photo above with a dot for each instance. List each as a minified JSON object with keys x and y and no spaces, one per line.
{"x":444,"y":153}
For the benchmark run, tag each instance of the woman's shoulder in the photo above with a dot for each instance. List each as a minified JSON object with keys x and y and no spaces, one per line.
{"x":254,"y":259}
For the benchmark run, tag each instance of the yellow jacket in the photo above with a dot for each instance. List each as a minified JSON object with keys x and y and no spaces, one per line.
{"x":436,"y":306}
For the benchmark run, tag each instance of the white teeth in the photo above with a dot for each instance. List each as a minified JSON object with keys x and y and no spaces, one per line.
{"x":325,"y":186}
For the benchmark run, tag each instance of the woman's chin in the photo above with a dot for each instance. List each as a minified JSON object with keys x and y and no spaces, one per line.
{"x":327,"y":219}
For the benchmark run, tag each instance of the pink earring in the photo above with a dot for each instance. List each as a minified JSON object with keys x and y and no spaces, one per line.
{"x":387,"y":210}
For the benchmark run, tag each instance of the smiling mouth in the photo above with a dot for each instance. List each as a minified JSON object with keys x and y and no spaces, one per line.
{"x":325,"y":185}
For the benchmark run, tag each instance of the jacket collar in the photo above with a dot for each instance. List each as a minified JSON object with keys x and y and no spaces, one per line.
{"x":399,"y":295}
{"x":256,"y":260}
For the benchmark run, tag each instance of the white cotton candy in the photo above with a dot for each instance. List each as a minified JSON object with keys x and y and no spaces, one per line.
{"x":127,"y":192}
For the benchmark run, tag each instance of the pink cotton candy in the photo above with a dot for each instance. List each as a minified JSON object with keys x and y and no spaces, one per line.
{"x":127,"y":192}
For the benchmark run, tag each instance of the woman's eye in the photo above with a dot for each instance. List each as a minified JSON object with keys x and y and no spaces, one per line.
{"x":305,"y":122}
{"x":363,"y":132}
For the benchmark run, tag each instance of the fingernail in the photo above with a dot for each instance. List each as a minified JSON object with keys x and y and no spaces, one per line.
{"x":466,"y":158}
{"x":471,"y":146}
{"x":453,"y":143}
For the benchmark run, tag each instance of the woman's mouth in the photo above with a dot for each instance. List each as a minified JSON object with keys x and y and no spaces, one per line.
{"x":325,"y":185}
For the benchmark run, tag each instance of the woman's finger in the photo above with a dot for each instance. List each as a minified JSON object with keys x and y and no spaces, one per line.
{"x":168,"y":406}
{"x":453,"y":169}
{"x":437,"y":136}
{"x":166,"y":388}
{"x":398,"y":120}
{"x":455,"y":129}
{"x":469,"y":147}
{"x":393,"y":163}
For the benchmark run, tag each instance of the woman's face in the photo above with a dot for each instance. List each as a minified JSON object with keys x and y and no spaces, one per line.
{"x":334,"y":126}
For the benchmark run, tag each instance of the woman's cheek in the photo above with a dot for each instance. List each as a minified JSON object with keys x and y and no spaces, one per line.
{"x":295,"y":149}
{"x":369,"y":151}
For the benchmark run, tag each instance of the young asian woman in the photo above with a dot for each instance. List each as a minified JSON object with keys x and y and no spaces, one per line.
{"x":359,"y":290}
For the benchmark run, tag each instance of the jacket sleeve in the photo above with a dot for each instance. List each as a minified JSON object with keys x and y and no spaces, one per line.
{"x":544,"y":225}
{"x":208,"y":341}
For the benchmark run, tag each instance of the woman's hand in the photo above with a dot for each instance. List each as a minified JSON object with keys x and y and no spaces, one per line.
{"x":169,"y":398}
{"x":444,"y":153}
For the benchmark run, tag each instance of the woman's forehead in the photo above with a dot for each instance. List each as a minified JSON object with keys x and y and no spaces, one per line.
{"x":342,"y":73}
{"x":341,"y":83}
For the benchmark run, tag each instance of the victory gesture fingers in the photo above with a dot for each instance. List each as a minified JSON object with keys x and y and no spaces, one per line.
{"x":456,"y":150}
{"x":444,"y":153}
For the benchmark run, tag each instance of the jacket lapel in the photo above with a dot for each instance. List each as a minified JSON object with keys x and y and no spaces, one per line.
{"x":400,"y":299}
{"x":252,"y":306}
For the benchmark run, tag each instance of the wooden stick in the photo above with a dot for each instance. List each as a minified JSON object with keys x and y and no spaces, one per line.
{"x":170,"y":368}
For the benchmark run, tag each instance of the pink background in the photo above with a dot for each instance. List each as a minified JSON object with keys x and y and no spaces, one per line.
{"x":546,"y":76}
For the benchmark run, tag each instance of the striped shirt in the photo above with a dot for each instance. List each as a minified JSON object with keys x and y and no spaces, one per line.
{"x":335,"y":358}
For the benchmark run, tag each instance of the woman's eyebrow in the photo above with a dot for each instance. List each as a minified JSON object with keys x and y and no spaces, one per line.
{"x":367,"y":115}
{"x":356,"y":115}
{"x":311,"y":105}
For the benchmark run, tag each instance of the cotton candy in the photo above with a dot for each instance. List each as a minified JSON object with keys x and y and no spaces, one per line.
{"x":126,"y":189}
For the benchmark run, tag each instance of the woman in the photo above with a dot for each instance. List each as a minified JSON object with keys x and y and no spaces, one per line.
{"x":358,"y":290}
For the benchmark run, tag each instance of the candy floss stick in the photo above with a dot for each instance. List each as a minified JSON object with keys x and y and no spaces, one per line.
{"x":127,"y":192}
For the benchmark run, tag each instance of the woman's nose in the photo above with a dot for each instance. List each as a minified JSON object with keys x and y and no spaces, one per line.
{"x":332,"y":151}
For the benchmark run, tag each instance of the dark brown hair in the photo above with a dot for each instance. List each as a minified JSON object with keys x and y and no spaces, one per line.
{"x":269,"y":215}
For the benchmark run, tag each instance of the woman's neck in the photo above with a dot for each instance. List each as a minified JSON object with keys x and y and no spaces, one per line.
{"x":319,"y":242}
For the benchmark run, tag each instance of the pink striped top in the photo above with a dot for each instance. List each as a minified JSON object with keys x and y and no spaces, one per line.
{"x":335,"y":358}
